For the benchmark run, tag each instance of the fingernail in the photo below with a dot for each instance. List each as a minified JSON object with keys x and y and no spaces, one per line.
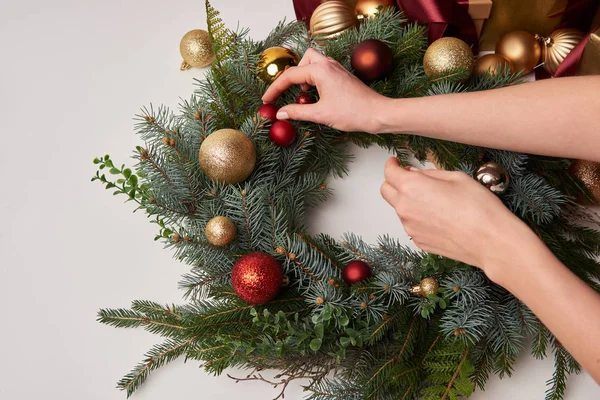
{"x":413,"y":169}
{"x":282,"y":115}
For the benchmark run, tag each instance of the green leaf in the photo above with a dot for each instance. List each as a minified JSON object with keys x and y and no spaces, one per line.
{"x":315,"y":344}
{"x":424,"y":313}
{"x":114,"y":171}
{"x":443,"y":304}
{"x":132,"y":193}
{"x":110,"y":185}
{"x":253,"y":312}
{"x":344,"y":320}
{"x":109,"y":164}
{"x":106,"y":157}
{"x":133,"y":180}
{"x":102,"y":166}
{"x":121,"y":181}
{"x":127,"y":173}
{"x":359,"y":341}
{"x":96,"y":161}
{"x":319,"y":330}
{"x":345,"y":341}
{"x":167,"y":233}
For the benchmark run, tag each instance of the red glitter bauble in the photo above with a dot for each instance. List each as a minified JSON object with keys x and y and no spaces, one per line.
{"x":282,"y":133}
{"x":257,"y":278}
{"x":372,"y":59}
{"x":356,"y":271}
{"x":268,"y":111}
{"x":304,"y":98}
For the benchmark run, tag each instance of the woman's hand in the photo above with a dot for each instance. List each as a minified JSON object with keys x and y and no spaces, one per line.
{"x":345,"y":103}
{"x":450,"y":214}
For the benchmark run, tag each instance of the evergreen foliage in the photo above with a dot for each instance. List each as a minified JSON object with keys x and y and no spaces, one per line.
{"x":383,"y":342}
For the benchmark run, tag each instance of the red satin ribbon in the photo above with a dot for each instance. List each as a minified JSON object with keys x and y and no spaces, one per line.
{"x":304,"y":9}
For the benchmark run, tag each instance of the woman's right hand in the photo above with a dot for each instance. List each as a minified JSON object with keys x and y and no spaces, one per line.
{"x":345,"y":103}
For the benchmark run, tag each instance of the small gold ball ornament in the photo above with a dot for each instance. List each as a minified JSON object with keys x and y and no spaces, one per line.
{"x":448,"y":54}
{"x":196,"y":49}
{"x":557,"y":46}
{"x":588,"y":172}
{"x":274,"y":61}
{"x":220,"y":231}
{"x":493,"y":64}
{"x":521,"y":48}
{"x":332,"y":18}
{"x":227,"y":156}
{"x":427,"y":287}
{"x":493,"y":176}
{"x":368,"y":8}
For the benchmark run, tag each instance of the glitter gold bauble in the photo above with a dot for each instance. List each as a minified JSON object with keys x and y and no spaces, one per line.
{"x":493,"y":64}
{"x":448,"y":54}
{"x":227,"y":156}
{"x":274,"y":61}
{"x":427,"y":287}
{"x":557,"y":46}
{"x":521,"y":48}
{"x":196,"y":49}
{"x":368,"y":8}
{"x":588,"y":172}
{"x":493,"y":176}
{"x":331,"y":18}
{"x":220,"y":231}
{"x":257,"y":278}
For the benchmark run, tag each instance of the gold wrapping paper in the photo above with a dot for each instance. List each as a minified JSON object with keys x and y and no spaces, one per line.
{"x":479,"y":10}
{"x":590,"y":59}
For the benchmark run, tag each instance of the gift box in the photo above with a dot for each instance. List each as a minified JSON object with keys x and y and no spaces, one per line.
{"x":479,"y":11}
{"x":535,"y":16}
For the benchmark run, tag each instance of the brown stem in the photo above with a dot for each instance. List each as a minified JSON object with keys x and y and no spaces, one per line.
{"x":455,"y":376}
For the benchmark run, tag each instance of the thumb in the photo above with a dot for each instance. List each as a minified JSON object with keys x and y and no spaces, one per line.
{"x":299,"y":112}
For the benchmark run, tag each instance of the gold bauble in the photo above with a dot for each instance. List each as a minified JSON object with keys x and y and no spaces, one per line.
{"x":447,"y":54}
{"x":427,"y":287}
{"x":332,"y":18}
{"x":227,"y":156}
{"x":274,"y":61}
{"x":588,"y":172}
{"x":557,"y":46}
{"x":493,"y":64}
{"x":368,"y":8}
{"x":521,"y":48}
{"x":196,"y":49}
{"x":220,"y":231}
{"x":493,"y":176}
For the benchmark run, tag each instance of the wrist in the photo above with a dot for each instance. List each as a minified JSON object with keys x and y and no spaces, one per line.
{"x":384,"y":118}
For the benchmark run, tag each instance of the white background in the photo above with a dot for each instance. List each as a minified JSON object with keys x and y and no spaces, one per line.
{"x":72,"y":74}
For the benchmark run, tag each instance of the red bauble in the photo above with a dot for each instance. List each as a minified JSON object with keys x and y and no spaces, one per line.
{"x":282,"y":133}
{"x":304,"y":98}
{"x":268,"y":111}
{"x":356,"y":271}
{"x":372,"y":59}
{"x":257,"y":278}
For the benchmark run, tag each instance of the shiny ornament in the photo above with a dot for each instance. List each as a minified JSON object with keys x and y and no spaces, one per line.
{"x":493,"y":176}
{"x":588,"y":172}
{"x":304,"y":98}
{"x":196,"y":49}
{"x":368,"y":8}
{"x":257,"y":278}
{"x":356,"y":271}
{"x":220,"y":231}
{"x":428,"y":286}
{"x":282,"y":133}
{"x":557,"y":46}
{"x":372,"y":59}
{"x":332,"y":18}
{"x":447,"y":54}
{"x":227,"y":156}
{"x":274,"y":61}
{"x":493,"y":64}
{"x":521,"y":48}
{"x":268,"y":111}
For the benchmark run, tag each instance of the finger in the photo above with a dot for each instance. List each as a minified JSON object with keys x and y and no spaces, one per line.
{"x":300,"y":112}
{"x":388,"y":193}
{"x":311,"y":56}
{"x":441,"y":174}
{"x":393,"y":172}
{"x":293,"y":76}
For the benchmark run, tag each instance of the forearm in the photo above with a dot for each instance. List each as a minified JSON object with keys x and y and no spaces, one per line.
{"x":565,"y":304}
{"x":555,"y":117}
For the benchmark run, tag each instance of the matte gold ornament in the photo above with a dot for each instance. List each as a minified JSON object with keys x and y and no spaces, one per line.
{"x":332,"y":18}
{"x":493,"y":176}
{"x":220,"y":231}
{"x":521,"y":48}
{"x":493,"y":64}
{"x":196,"y":49}
{"x":447,"y":54}
{"x":274,"y":61}
{"x":588,"y":172}
{"x":227,"y":156}
{"x":368,"y":8}
{"x":427,"y":287}
{"x":557,"y":46}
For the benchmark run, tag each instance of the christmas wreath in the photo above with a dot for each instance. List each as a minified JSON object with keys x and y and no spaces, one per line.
{"x":228,"y":189}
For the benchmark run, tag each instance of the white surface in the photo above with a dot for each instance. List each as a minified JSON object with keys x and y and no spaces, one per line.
{"x":72,"y":75}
